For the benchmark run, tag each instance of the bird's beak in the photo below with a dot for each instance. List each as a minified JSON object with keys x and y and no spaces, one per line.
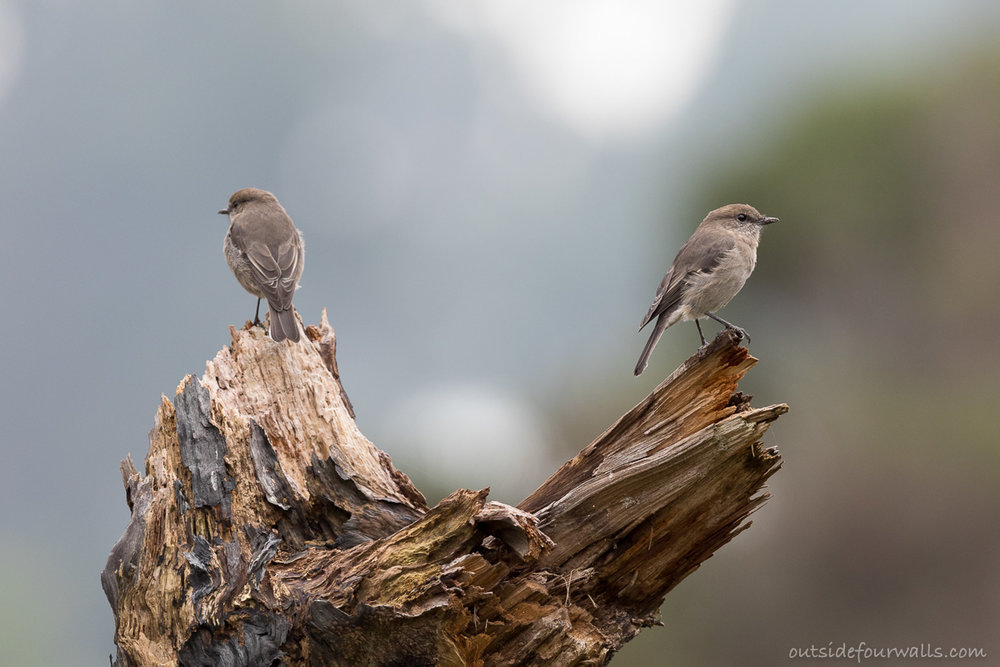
{"x":765,"y":221}
{"x":224,"y":211}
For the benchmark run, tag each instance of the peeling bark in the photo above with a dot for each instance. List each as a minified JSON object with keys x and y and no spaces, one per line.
{"x":268,"y":531}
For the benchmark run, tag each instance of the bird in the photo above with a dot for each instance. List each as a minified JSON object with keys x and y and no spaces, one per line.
{"x":266,"y":254}
{"x":708,"y":271}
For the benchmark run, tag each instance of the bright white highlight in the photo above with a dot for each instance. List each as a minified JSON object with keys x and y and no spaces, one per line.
{"x":471,"y":436}
{"x":604,"y":67}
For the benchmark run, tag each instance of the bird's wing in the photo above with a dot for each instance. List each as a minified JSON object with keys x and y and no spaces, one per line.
{"x":661,"y":291}
{"x":276,"y":269}
{"x":290,"y":257}
{"x":695,"y":257}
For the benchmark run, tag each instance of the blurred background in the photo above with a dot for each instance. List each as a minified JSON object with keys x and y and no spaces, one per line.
{"x":490,"y":192}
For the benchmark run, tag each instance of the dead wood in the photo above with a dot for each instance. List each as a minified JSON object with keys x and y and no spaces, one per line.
{"x":267,"y":530}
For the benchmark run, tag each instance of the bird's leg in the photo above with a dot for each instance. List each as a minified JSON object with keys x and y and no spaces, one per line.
{"x":740,"y":330}
{"x":256,"y":315}
{"x":704,"y":343}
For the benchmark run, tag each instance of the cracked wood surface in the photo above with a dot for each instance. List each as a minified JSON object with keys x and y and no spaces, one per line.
{"x":268,"y":530}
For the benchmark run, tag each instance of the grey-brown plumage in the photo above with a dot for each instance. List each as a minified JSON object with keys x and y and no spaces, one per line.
{"x":709,"y":270}
{"x":266,"y":254}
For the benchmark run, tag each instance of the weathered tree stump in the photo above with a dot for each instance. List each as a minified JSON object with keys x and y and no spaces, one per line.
{"x":268,"y":531}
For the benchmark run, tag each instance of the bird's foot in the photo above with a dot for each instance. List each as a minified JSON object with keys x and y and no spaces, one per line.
{"x":702,"y":351}
{"x":256,"y":315}
{"x":741,"y":332}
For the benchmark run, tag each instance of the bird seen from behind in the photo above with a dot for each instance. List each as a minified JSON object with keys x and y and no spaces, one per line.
{"x":266,"y":254}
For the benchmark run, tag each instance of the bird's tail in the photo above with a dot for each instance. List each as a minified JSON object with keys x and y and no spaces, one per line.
{"x":283,"y":324}
{"x":661,"y":325}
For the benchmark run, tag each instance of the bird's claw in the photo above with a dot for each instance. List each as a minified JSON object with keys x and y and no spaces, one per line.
{"x":741,"y":332}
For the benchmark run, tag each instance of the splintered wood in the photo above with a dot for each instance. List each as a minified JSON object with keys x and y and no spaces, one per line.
{"x":268,"y":530}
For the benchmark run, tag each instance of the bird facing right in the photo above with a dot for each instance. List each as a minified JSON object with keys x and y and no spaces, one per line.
{"x":709,"y":270}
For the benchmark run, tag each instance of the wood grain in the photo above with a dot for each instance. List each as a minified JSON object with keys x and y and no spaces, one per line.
{"x":267,"y":530}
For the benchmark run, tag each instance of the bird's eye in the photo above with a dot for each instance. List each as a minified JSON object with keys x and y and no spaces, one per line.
{"x":742,"y":217}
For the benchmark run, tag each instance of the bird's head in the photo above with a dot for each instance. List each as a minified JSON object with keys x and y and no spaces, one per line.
{"x":739,"y":217}
{"x":247,"y":197}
